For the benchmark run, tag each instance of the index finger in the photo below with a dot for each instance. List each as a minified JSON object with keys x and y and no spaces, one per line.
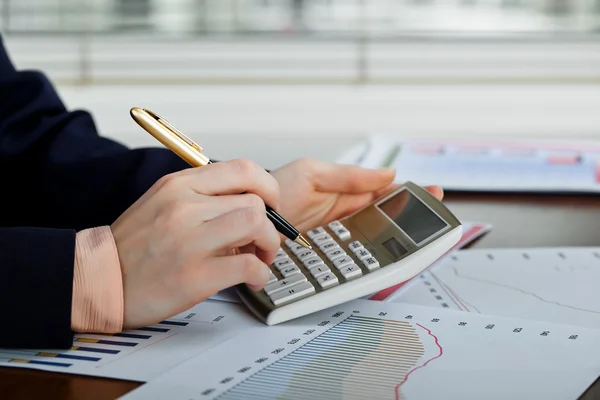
{"x":233,"y":177}
{"x":342,"y":178}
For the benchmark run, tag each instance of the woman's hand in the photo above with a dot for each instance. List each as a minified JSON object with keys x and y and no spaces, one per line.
{"x":178,"y":244}
{"x":314,"y":193}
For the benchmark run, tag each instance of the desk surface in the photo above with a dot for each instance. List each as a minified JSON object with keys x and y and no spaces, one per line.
{"x":518,"y":221}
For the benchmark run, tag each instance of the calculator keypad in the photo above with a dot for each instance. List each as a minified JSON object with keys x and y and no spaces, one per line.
{"x":284,"y":263}
{"x":287,"y":272}
{"x":292,"y":293}
{"x":335,"y":253}
{"x":320,"y":270}
{"x":350,"y":271}
{"x":362,"y":254}
{"x":305,"y":255}
{"x":371,"y":263}
{"x":354,"y":246}
{"x":313,"y":262}
{"x":277,"y":286}
{"x":340,"y":262}
{"x":327,"y":280}
{"x":317,"y":231}
{"x":299,"y":263}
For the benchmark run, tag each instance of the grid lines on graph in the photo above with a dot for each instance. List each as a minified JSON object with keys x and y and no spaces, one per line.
{"x":361,"y":357}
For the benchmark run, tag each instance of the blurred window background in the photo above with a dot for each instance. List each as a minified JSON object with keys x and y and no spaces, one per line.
{"x":286,"y":69}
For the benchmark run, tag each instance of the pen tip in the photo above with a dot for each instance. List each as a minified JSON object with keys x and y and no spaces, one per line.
{"x":300,"y":239}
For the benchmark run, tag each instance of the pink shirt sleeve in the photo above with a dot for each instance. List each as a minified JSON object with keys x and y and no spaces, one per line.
{"x":97,"y":283}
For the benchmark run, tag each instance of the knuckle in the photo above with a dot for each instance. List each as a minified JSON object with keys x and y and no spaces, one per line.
{"x":254,"y":217}
{"x":304,"y":162}
{"x":251,"y":266}
{"x":244,"y":167}
{"x":168,"y":181}
{"x":252,"y":200}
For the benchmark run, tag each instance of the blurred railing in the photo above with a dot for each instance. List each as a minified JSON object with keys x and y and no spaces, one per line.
{"x":291,"y":41}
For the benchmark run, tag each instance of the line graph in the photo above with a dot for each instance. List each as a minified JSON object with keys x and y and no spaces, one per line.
{"x":549,"y":284}
{"x":376,"y":350}
{"x":462,"y":303}
{"x":396,"y":389}
{"x":540,"y":298}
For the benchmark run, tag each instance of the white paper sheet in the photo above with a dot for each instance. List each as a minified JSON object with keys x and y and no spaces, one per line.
{"x":549,"y":284}
{"x":143,"y":354}
{"x":368,"y":349}
{"x":486,"y":166}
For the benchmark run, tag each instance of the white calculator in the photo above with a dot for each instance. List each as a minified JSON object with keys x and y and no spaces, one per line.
{"x":385,"y":243}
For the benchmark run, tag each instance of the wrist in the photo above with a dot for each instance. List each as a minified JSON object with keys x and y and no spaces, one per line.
{"x":97,"y":283}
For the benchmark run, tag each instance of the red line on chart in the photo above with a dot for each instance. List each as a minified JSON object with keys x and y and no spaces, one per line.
{"x":396,"y":389}
{"x":449,"y":291}
{"x":385,"y":293}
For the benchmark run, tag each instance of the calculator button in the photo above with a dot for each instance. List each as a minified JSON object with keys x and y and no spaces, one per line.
{"x":306,"y":254}
{"x":362,"y":254}
{"x":292,"y":293}
{"x":289,"y":243}
{"x":319,"y":270}
{"x":335,"y":225}
{"x":280,"y":254}
{"x":327,"y":280}
{"x":355,"y":246}
{"x":335,"y":253}
{"x":342,"y":261}
{"x":312,"y":262}
{"x":350,"y":271}
{"x":342,"y":233}
{"x":297,"y":248}
{"x":329,"y":245}
{"x":287,"y":272}
{"x":286,"y":283}
{"x":371,"y":263}
{"x":314,"y":232}
{"x":272,"y":278}
{"x":321,"y":238}
{"x":284,"y":263}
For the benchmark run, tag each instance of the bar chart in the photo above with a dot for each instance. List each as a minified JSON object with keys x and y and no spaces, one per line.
{"x":132,"y":354}
{"x":372,"y":349}
{"x":362,"y":356}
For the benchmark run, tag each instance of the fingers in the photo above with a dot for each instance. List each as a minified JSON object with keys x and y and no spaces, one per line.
{"x":332,"y":177}
{"x":212,"y":207}
{"x":227,"y":178}
{"x":437,"y":191}
{"x":219,"y":273}
{"x":239,"y":228}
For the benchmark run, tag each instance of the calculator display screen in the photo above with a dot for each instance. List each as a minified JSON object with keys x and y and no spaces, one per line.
{"x":411,"y":215}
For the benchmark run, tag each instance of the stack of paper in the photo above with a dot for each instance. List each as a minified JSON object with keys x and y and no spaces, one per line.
{"x":484,"y":166}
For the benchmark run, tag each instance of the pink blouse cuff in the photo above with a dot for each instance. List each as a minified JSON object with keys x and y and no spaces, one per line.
{"x":97,"y":283}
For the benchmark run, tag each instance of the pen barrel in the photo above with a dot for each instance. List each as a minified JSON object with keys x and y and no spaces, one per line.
{"x":281,"y":224}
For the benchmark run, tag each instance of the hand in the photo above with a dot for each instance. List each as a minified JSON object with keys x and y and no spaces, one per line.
{"x":179,"y":243}
{"x":314,"y":193}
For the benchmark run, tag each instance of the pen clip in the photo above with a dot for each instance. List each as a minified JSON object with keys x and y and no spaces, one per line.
{"x":174,"y":130}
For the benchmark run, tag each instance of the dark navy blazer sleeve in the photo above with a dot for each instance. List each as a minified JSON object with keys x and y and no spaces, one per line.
{"x":57,"y":176}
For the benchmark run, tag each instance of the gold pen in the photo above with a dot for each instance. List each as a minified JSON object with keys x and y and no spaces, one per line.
{"x":190,"y":152}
